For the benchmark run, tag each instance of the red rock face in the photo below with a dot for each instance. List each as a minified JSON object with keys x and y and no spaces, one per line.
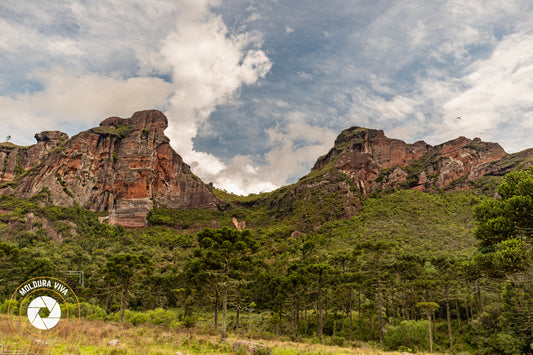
{"x":122,"y":167}
{"x":14,"y":160}
{"x":374,"y":162}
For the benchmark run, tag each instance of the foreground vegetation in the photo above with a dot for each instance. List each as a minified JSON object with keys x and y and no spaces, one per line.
{"x":406,"y":273}
{"x":99,"y":337}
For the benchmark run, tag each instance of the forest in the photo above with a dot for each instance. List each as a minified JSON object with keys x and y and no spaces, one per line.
{"x":412,"y":271}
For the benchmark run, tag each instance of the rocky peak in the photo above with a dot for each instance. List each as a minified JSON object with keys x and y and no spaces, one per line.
{"x":151,"y":120}
{"x":375,"y":162}
{"x":16,"y":160}
{"x":123,"y":166}
{"x":51,"y":137}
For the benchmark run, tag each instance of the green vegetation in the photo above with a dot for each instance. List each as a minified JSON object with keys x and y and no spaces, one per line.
{"x":10,"y":146}
{"x":407,"y":263}
{"x":119,"y":132}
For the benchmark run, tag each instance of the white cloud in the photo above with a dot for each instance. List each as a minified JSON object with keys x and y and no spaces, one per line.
{"x":295,"y":147}
{"x":83,"y":99}
{"x":208,"y":66}
{"x":496,"y":93}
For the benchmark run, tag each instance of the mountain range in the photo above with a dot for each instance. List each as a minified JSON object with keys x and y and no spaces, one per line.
{"x":126,"y":167}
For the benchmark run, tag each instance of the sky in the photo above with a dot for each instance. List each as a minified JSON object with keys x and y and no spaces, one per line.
{"x":255,"y":91}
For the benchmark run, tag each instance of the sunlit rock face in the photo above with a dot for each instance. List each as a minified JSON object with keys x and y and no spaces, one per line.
{"x":123,"y":166}
{"x":374,"y":162}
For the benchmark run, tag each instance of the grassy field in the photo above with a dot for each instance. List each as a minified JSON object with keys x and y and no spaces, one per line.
{"x":92,"y":337}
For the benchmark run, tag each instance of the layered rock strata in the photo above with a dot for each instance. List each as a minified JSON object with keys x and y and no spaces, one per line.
{"x":123,"y":166}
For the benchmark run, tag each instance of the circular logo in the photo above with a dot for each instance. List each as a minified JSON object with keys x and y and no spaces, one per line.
{"x":44,"y":302}
{"x":44,"y":312}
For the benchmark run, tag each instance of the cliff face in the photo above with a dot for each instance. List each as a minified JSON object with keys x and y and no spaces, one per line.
{"x":126,"y":165}
{"x":374,"y":162}
{"x":14,"y":160}
{"x":123,"y":167}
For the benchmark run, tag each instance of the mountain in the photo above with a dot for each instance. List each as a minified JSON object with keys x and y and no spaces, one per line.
{"x":374,"y":162}
{"x":123,"y":167}
{"x":364,"y":161}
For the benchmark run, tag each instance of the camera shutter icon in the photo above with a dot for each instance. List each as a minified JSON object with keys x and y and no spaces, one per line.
{"x":44,"y":323}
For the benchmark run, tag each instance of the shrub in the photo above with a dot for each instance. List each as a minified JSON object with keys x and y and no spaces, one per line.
{"x":411,"y":334}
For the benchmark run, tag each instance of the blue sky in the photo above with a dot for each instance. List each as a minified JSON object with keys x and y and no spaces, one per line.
{"x":255,"y":91}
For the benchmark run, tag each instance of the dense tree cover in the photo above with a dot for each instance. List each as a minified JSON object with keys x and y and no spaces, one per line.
{"x":505,"y":231}
{"x":406,"y":264}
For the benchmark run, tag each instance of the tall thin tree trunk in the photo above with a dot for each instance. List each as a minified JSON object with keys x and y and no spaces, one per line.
{"x":297,"y":330}
{"x":380,"y":312}
{"x":430,"y":335}
{"x":458,"y":314}
{"x":224,"y":309}
{"x":217,"y":305}
{"x":320,"y":309}
{"x":480,"y":305}
{"x":434,"y":324}
{"x":448,"y":318}
{"x":359,"y":304}
{"x":124,"y":301}
{"x":325,"y":309}
{"x":238,"y":314}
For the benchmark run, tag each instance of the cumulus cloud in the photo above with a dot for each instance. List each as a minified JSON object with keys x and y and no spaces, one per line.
{"x":208,"y":65}
{"x":294,"y":148}
{"x":495,"y":94}
{"x":70,"y":99}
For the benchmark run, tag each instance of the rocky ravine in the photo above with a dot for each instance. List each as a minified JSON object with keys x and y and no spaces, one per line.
{"x":123,"y":167}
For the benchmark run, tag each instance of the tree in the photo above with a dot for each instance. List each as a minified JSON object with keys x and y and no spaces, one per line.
{"x":320,"y":273}
{"x":509,"y":217}
{"x":428,"y":308}
{"x":10,"y":268}
{"x":226,"y":253}
{"x":376,"y":261}
{"x":122,"y":270}
{"x":505,"y":231}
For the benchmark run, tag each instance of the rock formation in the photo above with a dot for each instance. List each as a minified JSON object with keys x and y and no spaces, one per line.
{"x":15,"y":160}
{"x":374,"y":162}
{"x":123,"y":167}
{"x":126,"y":165}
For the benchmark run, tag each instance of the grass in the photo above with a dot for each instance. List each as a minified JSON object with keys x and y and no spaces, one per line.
{"x":92,"y":337}
{"x":10,"y":145}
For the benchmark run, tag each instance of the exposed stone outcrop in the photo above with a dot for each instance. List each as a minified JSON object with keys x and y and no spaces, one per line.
{"x":123,"y":167}
{"x":15,"y":160}
{"x":374,"y":162}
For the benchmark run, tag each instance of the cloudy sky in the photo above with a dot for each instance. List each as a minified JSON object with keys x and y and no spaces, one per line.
{"x":256,"y":90}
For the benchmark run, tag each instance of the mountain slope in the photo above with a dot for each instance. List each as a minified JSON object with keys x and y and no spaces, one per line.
{"x":364,"y":162}
{"x":123,"y":167}
{"x":126,"y":165}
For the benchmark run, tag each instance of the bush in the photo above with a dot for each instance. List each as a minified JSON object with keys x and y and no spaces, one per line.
{"x":505,"y":343}
{"x":13,"y":309}
{"x":337,"y":340}
{"x":410,"y":334}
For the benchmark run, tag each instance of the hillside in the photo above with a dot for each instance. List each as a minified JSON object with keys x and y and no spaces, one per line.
{"x":347,"y":254}
{"x":125,"y":166}
{"x":121,"y":167}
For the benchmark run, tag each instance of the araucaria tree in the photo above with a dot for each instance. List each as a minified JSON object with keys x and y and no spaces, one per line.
{"x":226,"y":254}
{"x":122,"y":271}
{"x":505,"y":231}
